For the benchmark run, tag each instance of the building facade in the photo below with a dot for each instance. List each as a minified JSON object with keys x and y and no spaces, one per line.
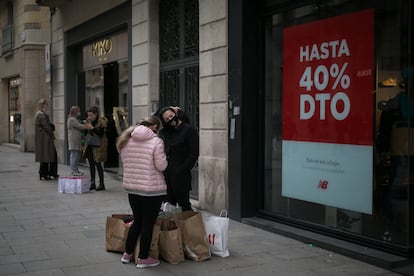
{"x":303,"y":107}
{"x":24,"y":33}
{"x":131,"y":58}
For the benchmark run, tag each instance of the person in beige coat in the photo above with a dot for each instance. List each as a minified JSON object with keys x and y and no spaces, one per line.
{"x":75,"y":131}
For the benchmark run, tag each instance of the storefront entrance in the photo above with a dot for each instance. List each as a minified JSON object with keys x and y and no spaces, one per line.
{"x":104,"y":83}
{"x":15,"y":111}
{"x":106,"y":87}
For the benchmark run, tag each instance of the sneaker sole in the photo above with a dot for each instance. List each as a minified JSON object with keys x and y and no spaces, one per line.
{"x":125,"y":261}
{"x":147,"y":265}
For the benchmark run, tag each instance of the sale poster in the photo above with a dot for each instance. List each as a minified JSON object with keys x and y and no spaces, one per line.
{"x":327,"y":133}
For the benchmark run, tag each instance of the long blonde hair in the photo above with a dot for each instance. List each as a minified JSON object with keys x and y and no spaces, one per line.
{"x":126,"y":134}
{"x":74,"y":111}
{"x":40,"y":104}
{"x":124,"y":138}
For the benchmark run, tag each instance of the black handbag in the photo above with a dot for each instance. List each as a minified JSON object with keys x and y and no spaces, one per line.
{"x":94,"y":141}
{"x":52,"y":126}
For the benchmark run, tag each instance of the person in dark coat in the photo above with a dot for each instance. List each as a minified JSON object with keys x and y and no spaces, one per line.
{"x":96,"y":155}
{"x":182,"y":150}
{"x":45,"y":151}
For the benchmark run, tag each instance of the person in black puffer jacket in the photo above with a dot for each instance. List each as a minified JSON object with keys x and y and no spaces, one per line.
{"x":181,"y":147}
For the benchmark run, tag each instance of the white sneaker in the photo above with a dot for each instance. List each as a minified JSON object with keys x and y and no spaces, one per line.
{"x":77,"y":173}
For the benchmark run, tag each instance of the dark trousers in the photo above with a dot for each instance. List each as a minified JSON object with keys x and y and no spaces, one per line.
{"x":48,"y":168}
{"x":178,"y":190}
{"x":92,"y":165}
{"x":145,"y":210}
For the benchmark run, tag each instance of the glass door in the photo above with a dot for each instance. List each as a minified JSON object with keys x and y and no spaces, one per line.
{"x":15,"y":111}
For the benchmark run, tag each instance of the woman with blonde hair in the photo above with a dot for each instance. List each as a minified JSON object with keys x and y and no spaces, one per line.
{"x":75,"y":131}
{"x":45,"y":151}
{"x":144,"y":161}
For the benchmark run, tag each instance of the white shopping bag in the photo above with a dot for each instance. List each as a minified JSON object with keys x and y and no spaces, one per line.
{"x":82,"y":184}
{"x":168,"y":207}
{"x":61,"y":184}
{"x":217,"y":230}
{"x":73,"y":184}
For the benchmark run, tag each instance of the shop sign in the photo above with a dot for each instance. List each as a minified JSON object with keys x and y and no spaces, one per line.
{"x":328,"y":72}
{"x":102,"y":47}
{"x":15,"y":82}
{"x":105,"y":50}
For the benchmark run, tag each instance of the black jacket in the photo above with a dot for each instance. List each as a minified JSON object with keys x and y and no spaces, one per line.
{"x":182,"y":150}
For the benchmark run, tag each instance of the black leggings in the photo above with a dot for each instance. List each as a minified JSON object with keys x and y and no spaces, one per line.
{"x":145,"y":210}
{"x":92,"y":164}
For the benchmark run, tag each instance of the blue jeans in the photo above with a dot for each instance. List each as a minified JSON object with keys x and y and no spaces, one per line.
{"x":74,"y":160}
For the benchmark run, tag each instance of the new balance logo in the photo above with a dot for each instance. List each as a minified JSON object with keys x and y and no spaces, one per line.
{"x":323,"y":184}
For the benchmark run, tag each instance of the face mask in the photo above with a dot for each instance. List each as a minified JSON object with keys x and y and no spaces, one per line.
{"x":172,"y":123}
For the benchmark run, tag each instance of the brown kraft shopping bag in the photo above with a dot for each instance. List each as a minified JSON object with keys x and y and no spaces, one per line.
{"x":116,"y":232}
{"x":170,"y":242}
{"x":195,"y":243}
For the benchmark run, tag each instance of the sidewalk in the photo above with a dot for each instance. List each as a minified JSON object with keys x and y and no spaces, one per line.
{"x":43,"y":232}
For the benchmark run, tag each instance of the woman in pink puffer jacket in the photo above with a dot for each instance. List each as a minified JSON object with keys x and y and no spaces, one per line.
{"x":144,"y":161}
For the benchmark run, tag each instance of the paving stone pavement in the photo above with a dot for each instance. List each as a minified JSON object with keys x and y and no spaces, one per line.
{"x":43,"y":232}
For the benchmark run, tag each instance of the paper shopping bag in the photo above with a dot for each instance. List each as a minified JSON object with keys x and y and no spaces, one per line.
{"x":116,"y":232}
{"x":154,"y":248}
{"x":170,"y":242}
{"x":217,"y":229}
{"x":194,"y":236}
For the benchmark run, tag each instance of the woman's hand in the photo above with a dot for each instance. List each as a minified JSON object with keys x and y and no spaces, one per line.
{"x":175,"y":108}
{"x":88,"y":126}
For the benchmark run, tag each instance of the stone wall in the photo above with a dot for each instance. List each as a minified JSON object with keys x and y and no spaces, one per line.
{"x":213,"y":160}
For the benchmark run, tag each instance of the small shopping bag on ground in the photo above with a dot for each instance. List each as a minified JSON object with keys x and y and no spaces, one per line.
{"x":170,"y":241}
{"x":73,"y":184}
{"x":116,"y":232}
{"x":217,"y":230}
{"x":154,"y":247}
{"x":62,"y":184}
{"x":82,"y":184}
{"x":194,"y":236}
{"x":168,"y":209}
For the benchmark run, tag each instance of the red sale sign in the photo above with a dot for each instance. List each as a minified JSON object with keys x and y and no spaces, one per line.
{"x":328,"y":70}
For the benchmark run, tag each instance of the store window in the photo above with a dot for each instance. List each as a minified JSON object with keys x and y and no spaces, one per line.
{"x":338,"y":135}
{"x":15,"y":111}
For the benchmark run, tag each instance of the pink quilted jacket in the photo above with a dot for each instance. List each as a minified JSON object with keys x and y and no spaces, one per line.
{"x":144,"y":161}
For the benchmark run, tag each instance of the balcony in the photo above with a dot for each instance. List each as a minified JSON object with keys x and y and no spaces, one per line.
{"x":7,"y":39}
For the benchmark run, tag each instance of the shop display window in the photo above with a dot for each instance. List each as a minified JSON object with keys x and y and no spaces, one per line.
{"x":338,"y":107}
